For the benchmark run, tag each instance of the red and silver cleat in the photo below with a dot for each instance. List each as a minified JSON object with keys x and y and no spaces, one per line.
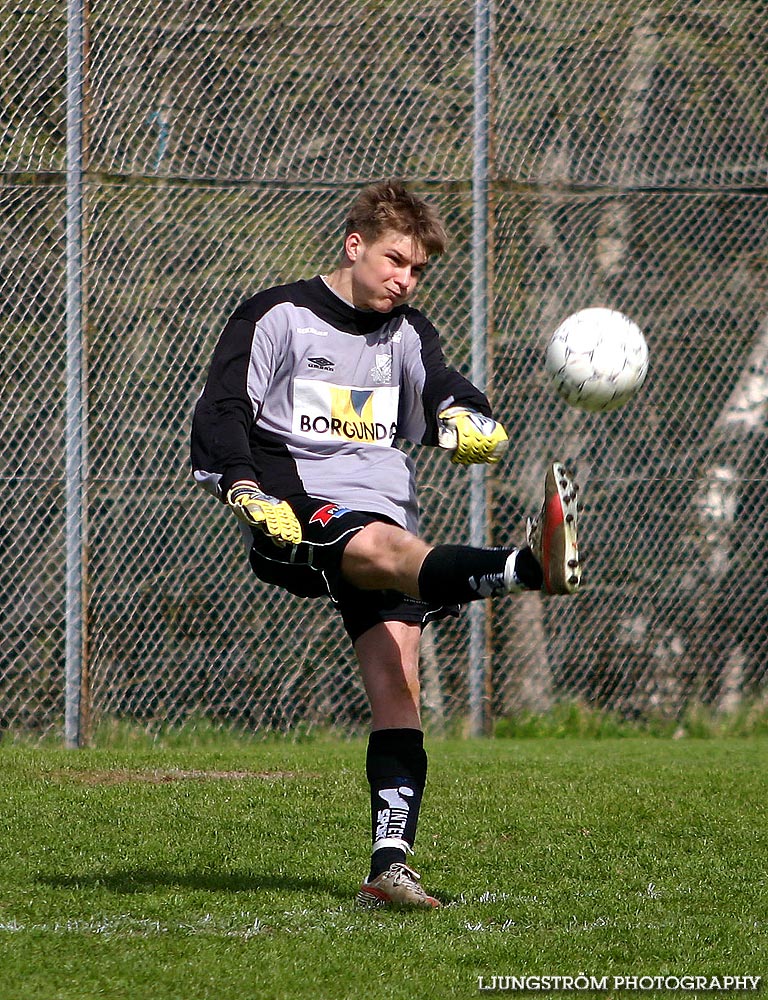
{"x":398,"y":887}
{"x":552,"y":534}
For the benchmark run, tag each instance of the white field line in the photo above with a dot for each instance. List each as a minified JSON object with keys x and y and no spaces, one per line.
{"x":244,"y":926}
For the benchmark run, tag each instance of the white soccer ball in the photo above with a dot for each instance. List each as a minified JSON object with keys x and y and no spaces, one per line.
{"x":597,"y":359}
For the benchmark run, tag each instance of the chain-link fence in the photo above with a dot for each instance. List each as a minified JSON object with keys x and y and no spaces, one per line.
{"x":222,"y":142}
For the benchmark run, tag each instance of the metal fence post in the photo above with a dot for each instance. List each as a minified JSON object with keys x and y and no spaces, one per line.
{"x":75,"y":423}
{"x":478,"y":513}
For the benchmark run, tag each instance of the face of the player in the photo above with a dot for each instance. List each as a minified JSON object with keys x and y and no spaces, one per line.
{"x":384,"y":273}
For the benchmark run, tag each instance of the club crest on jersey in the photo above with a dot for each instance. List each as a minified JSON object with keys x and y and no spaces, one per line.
{"x":381,"y":373}
{"x":323,"y":411}
{"x":326,"y":514}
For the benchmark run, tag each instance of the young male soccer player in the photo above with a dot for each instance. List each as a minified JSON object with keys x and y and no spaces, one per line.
{"x":310,"y":386}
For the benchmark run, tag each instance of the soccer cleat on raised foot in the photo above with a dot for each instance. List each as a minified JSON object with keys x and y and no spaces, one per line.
{"x":399,"y":887}
{"x":552,"y":534}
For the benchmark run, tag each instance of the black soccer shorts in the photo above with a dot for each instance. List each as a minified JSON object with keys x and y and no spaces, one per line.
{"x":313,"y":568}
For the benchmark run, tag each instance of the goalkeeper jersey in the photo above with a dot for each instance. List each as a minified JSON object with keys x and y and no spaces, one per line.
{"x":308,"y":395}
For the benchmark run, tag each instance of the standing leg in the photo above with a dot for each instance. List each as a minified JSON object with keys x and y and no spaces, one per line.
{"x":388,"y":655}
{"x":396,"y":763}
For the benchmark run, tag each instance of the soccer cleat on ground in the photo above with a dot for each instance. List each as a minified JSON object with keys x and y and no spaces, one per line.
{"x":552,"y":534}
{"x":399,"y":887}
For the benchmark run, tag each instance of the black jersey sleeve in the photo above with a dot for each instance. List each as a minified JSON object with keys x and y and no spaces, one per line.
{"x":443,"y":385}
{"x":224,"y":416}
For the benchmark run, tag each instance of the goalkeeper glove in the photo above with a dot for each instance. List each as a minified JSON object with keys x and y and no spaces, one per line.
{"x":259,"y":510}
{"x":471,"y":436}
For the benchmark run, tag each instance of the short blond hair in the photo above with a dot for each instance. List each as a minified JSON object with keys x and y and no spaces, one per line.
{"x":389,"y":205}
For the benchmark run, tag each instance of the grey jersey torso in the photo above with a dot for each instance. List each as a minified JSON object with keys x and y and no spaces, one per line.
{"x":307,"y":394}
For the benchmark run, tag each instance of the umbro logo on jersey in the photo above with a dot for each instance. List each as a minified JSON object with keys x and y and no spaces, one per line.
{"x":321,"y":364}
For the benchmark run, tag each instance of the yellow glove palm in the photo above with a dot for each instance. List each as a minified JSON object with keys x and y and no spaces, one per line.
{"x":259,"y":510}
{"x":472,"y":437}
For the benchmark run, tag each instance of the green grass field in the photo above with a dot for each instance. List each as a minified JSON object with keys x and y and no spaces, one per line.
{"x":230,"y":874}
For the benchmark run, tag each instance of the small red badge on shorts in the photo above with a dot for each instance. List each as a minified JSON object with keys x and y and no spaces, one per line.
{"x":324,"y":515}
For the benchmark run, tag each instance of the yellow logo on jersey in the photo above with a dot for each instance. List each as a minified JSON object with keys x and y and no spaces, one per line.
{"x":351,"y":406}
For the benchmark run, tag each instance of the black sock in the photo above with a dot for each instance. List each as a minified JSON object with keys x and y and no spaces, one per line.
{"x":457,"y":574}
{"x":396,"y":768}
{"x":528,"y":570}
